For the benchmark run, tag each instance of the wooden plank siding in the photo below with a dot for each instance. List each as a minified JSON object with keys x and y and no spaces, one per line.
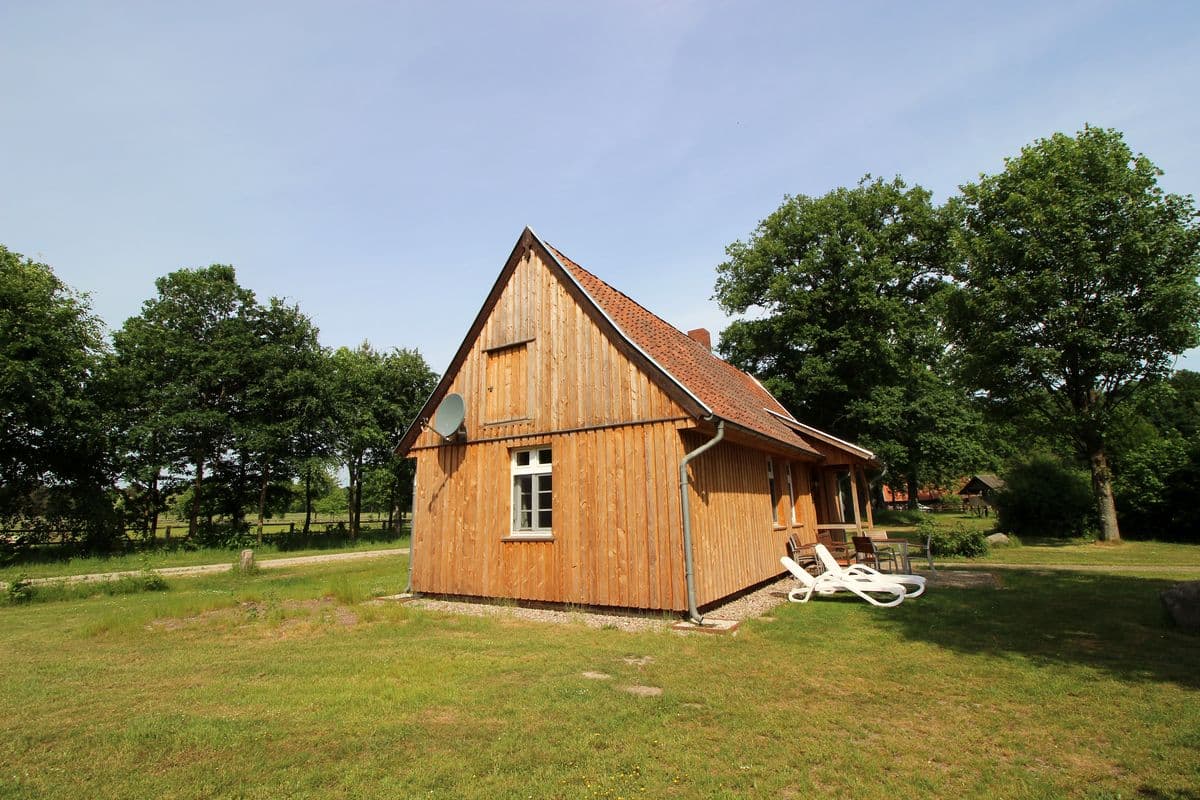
{"x":572,"y":375}
{"x":617,"y":534}
{"x":735,"y":541}
{"x":542,"y":372}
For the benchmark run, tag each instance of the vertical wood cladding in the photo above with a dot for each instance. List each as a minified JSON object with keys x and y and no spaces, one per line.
{"x":542,"y":373}
{"x":617,"y":531}
{"x":548,"y":367}
{"x":736,"y":543}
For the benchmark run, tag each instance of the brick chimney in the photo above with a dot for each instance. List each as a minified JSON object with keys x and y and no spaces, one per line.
{"x":702,"y":336}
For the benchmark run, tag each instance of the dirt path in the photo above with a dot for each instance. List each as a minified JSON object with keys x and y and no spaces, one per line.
{"x":209,"y":569}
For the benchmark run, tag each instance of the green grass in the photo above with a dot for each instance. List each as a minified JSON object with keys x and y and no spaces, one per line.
{"x":1057,"y":685}
{"x":157,"y":559}
{"x":1051,"y":552}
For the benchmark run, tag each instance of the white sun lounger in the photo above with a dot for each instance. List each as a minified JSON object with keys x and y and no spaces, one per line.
{"x":914,"y":585}
{"x":828,"y":583}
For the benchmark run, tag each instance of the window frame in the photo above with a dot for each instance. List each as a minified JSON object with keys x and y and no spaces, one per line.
{"x":791,"y":493}
{"x":773,"y":491}
{"x":536,"y":470}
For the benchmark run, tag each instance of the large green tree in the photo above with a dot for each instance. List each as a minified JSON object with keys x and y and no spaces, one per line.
{"x":51,"y":443}
{"x":1078,"y":285}
{"x":186,"y":362}
{"x":377,"y":394}
{"x":288,"y":401}
{"x":844,"y":293}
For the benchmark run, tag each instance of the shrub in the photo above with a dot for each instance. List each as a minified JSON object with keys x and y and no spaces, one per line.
{"x":1044,"y":497}
{"x":956,"y":540}
{"x":20,"y":590}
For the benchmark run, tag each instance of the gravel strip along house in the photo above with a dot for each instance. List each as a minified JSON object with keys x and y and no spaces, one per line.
{"x":549,"y":456}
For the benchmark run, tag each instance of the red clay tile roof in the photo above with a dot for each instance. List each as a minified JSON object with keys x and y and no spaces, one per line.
{"x":727,"y":391}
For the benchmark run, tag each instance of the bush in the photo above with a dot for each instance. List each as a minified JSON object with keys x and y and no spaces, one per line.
{"x":226,"y":536}
{"x":956,"y":540}
{"x":1045,"y":498}
{"x":20,"y":590}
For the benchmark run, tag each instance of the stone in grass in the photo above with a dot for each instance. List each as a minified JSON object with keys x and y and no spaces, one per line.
{"x":997,"y":539}
{"x":1182,"y":604}
{"x":246,"y":564}
{"x":597,"y":676}
{"x":643,"y":691}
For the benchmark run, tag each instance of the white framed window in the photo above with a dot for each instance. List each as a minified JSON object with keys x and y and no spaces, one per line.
{"x":532,"y":492}
{"x":774,"y":490}
{"x":791,"y":491}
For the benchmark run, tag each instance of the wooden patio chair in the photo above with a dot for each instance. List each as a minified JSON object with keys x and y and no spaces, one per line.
{"x":838,"y":550}
{"x":803,"y":554}
{"x":865,"y":552}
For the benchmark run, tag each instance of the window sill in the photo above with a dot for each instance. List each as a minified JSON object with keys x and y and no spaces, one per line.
{"x":780,"y":527}
{"x":529,"y":537}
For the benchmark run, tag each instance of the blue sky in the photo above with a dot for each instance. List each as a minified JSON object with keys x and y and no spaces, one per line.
{"x":375,"y":162}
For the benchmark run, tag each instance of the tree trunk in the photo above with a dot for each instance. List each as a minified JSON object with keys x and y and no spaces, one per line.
{"x":238,"y":511}
{"x":357,"y":505}
{"x":391,"y":504}
{"x":262,"y":501}
{"x":307,"y":497}
{"x":154,"y":507}
{"x":353,"y":496}
{"x":1102,"y":489}
{"x":194,"y":521}
{"x":914,"y":490}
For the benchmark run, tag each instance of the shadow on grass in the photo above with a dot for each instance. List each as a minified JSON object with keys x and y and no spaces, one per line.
{"x":1113,"y":623}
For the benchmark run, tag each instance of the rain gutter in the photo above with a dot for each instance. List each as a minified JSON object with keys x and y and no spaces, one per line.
{"x":688,"y":560}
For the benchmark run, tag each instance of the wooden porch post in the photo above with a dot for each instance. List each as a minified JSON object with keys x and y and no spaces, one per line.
{"x":854,"y":498}
{"x":867,"y":486}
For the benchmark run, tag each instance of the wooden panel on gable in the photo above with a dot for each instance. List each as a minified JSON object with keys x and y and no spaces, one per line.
{"x":541,"y":363}
{"x":507,"y":391}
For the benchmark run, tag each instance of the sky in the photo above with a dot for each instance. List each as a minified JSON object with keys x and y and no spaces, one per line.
{"x":376,"y":162}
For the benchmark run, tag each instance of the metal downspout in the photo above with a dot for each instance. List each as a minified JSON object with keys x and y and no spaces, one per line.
{"x":689,"y":568}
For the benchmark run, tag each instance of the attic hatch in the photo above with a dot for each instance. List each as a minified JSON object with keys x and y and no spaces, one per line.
{"x":507,"y":375}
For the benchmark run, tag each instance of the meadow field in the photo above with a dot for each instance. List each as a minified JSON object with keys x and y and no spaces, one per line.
{"x":291,"y":683}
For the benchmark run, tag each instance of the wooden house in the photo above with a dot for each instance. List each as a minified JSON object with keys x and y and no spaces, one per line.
{"x":980,"y":490}
{"x":564,"y":482}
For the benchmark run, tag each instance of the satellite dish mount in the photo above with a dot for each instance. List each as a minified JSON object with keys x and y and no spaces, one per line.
{"x":449,"y":417}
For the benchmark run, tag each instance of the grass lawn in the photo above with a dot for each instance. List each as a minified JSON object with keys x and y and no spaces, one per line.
{"x":1056,"y":685}
{"x":157,"y":559}
{"x":1055,"y":552}
{"x":1051,"y":552}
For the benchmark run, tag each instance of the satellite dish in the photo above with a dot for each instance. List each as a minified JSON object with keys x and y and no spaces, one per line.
{"x":448,"y":418}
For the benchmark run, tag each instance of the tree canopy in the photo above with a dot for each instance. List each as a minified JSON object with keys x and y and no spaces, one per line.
{"x":50,"y":346}
{"x":1077,"y":286}
{"x":843,"y":293}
